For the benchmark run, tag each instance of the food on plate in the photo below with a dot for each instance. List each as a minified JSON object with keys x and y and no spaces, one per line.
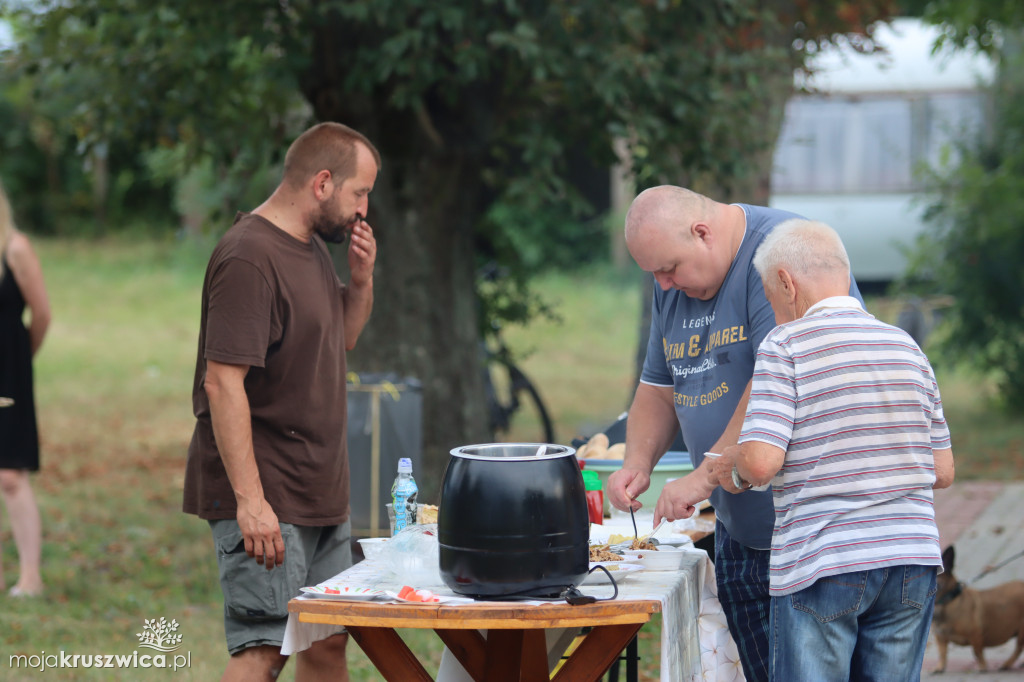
{"x":617,"y":451}
{"x":410,"y":594}
{"x":634,"y":543}
{"x":603,"y":553}
{"x":426,"y":513}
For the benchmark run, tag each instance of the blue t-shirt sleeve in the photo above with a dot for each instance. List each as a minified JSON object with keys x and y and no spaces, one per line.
{"x":855,"y":290}
{"x":759,"y":310}
{"x":655,"y":369}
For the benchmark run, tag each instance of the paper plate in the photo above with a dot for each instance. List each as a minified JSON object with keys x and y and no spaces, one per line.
{"x":675,"y":540}
{"x":346,"y":592}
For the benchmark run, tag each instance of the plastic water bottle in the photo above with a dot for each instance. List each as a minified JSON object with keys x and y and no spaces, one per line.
{"x":403,"y":495}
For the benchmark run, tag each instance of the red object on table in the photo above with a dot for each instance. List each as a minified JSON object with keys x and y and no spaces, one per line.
{"x":595,"y":506}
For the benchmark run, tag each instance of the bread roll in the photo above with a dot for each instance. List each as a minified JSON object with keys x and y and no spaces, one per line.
{"x":617,"y":451}
{"x":597,"y":447}
{"x":426,"y":513}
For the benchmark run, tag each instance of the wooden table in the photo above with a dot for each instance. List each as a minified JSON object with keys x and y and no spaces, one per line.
{"x":514,"y":650}
{"x":515,"y":647}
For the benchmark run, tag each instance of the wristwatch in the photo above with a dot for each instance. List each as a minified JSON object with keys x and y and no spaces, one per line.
{"x":739,"y":482}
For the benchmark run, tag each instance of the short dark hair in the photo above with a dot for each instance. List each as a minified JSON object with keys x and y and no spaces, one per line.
{"x":326,"y":146}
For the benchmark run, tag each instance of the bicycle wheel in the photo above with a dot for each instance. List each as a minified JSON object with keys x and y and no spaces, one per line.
{"x":518,"y":414}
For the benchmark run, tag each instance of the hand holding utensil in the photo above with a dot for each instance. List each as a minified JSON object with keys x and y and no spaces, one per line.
{"x":657,"y":527}
{"x":649,"y":538}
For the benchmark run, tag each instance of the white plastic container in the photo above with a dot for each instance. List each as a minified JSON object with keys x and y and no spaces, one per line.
{"x":372,"y":546}
{"x":665,"y":558}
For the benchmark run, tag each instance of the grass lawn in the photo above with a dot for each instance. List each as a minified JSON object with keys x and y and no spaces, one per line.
{"x":114,"y":383}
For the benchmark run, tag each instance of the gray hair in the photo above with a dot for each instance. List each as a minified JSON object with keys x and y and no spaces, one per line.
{"x":804,"y":247}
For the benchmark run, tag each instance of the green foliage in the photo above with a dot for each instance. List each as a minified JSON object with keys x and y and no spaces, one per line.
{"x":54,"y":182}
{"x":974,"y":247}
{"x":207,"y":194}
{"x":519,"y":86}
{"x":974,"y":25}
{"x":157,"y":74}
{"x":479,"y":108}
{"x":517,"y":234}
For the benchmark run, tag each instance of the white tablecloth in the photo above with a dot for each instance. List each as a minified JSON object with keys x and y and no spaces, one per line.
{"x":695,"y":641}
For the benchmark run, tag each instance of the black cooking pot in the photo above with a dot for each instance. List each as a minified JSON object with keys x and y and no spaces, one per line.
{"x":512,"y":521}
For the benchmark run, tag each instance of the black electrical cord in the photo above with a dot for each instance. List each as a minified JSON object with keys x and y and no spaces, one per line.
{"x":570,"y":594}
{"x":577,"y":598}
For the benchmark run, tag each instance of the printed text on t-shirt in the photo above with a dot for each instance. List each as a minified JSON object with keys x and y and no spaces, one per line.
{"x":693,"y":347}
{"x":702,"y":399}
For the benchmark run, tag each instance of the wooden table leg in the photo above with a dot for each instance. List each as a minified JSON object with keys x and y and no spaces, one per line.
{"x":468,"y":646}
{"x":504,"y":654}
{"x":534,"y":657}
{"x":389,"y":653}
{"x":516,"y":655}
{"x":595,"y":654}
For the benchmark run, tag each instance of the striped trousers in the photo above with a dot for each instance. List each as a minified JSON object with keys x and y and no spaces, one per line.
{"x":742,"y":576}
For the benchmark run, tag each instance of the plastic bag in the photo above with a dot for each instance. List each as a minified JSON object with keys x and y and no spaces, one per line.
{"x":412,"y":556}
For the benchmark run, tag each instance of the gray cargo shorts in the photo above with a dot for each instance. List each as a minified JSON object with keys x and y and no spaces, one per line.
{"x":255,"y":599}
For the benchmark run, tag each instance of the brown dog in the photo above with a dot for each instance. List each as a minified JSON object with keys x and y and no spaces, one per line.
{"x":976,"y":618}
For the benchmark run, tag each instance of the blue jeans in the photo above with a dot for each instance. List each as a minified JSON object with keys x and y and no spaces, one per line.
{"x":864,"y":625}
{"x":742,"y":577}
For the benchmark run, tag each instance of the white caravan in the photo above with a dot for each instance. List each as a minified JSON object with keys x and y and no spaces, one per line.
{"x":851,"y":146}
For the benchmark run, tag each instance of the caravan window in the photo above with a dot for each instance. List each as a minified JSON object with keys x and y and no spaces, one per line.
{"x":867,"y":143}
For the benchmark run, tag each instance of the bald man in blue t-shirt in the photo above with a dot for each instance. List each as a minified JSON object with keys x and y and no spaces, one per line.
{"x":708,"y":318}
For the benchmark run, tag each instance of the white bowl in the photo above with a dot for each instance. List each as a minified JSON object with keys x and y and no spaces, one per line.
{"x":665,"y":558}
{"x":372,"y":546}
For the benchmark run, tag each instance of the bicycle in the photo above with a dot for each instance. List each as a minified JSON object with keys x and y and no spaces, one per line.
{"x":516,"y":412}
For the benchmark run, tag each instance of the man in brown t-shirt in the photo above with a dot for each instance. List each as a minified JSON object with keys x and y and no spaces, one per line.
{"x":268,"y":466}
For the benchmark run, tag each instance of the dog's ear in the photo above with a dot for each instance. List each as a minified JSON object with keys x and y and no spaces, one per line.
{"x":948,"y":556}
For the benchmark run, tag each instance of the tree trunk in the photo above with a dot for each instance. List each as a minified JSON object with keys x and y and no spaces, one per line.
{"x":423,"y":210}
{"x":100,"y":156}
{"x":424,"y":322}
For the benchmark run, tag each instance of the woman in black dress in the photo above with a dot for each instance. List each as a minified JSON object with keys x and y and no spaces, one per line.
{"x":21,"y":286}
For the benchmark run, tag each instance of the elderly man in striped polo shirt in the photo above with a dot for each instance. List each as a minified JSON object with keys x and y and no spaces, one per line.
{"x":846,"y":422}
